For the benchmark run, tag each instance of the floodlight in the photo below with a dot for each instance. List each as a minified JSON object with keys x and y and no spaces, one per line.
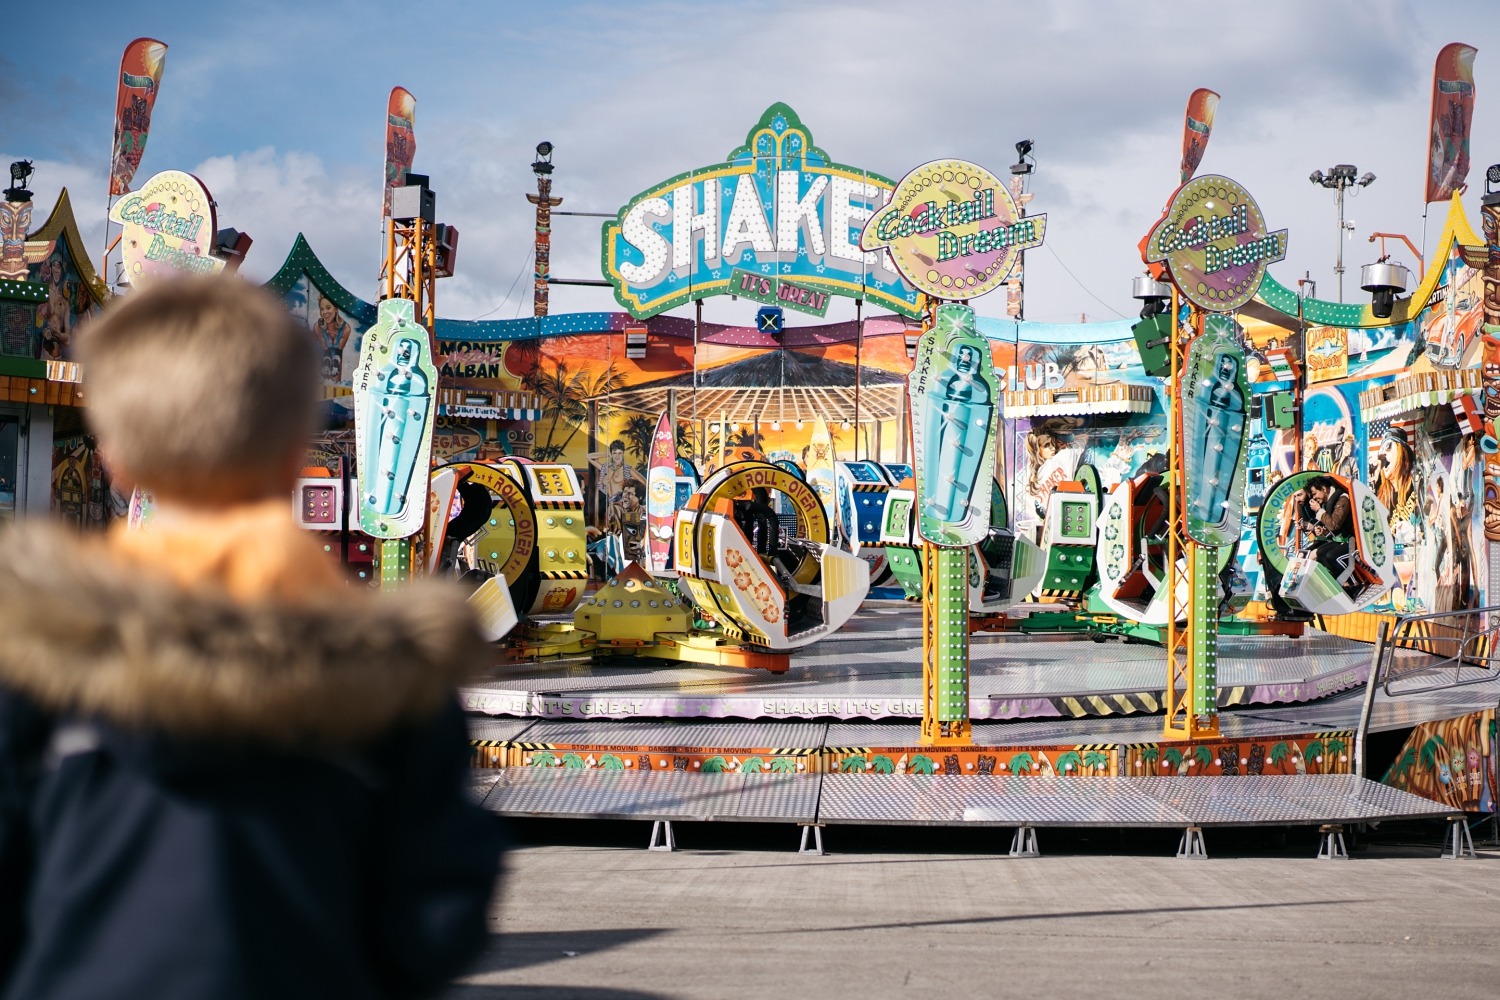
{"x":543,"y":164}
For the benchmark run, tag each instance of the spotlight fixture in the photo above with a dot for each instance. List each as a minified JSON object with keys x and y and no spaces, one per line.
{"x":1384,"y":281}
{"x":1154,"y":295}
{"x":20,"y":173}
{"x":1025,"y":163}
{"x":543,"y":164}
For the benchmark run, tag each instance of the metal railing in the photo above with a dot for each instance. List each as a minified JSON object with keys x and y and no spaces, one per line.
{"x":1441,"y":650}
{"x":1431,"y":652}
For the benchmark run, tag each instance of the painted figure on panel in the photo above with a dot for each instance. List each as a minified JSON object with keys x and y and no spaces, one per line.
{"x":621,"y":494}
{"x":332,"y":332}
{"x":15,"y":251}
{"x":1391,"y":474}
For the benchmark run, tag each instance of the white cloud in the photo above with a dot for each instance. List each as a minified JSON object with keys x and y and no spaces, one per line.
{"x":274,"y":196}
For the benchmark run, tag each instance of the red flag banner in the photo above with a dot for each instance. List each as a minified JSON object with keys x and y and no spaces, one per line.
{"x":400,"y":140}
{"x":140,"y":78}
{"x":1452,"y":111}
{"x":1197,"y":123}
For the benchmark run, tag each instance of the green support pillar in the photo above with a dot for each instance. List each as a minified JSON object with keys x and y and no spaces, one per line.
{"x":394,"y":555}
{"x":951,"y":633}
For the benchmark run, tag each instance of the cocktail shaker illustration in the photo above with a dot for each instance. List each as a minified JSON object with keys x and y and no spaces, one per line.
{"x":958,"y":420}
{"x":402,"y":415}
{"x":1218,"y":440}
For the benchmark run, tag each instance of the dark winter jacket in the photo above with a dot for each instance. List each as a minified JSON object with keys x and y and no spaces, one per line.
{"x":207,"y":799}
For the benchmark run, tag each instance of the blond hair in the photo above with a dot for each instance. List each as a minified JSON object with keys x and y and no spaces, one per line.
{"x":200,"y":387}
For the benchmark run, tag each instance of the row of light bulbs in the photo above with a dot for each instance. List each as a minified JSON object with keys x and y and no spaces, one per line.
{"x":775,"y":426}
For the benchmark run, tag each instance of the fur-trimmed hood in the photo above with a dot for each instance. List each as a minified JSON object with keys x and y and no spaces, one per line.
{"x":82,"y":634}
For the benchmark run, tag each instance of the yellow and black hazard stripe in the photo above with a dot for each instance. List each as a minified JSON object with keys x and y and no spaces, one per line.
{"x":1239,"y":695}
{"x":1050,"y":592}
{"x":531,"y":747}
{"x":488,"y":743}
{"x":864,"y":751}
{"x":1084,"y":705}
{"x":868,"y":487}
{"x":565,"y":574}
{"x":557,"y":504}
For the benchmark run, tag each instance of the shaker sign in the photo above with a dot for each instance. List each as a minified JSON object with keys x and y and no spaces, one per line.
{"x":169,"y":227}
{"x":777,"y":208}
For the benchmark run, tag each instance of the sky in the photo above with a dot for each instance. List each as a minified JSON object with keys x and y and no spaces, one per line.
{"x":279,"y":108}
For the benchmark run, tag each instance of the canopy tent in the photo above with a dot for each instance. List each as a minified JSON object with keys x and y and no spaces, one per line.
{"x":780,"y":385}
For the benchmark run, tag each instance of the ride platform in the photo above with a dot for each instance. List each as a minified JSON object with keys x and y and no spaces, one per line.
{"x":1285,"y":759}
{"x":871,"y":670}
{"x":814,"y":802}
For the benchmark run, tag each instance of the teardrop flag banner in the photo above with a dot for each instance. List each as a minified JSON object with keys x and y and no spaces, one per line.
{"x":1197,"y":124}
{"x":140,"y":79}
{"x":1452,"y":113}
{"x":400,"y":140}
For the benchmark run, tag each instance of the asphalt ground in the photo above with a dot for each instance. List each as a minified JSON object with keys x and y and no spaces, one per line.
{"x":585,"y":911}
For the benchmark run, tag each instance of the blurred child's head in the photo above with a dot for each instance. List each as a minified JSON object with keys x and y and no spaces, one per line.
{"x":201,"y":390}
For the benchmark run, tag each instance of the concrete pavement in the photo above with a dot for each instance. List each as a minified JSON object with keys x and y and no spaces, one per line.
{"x":736,"y":913}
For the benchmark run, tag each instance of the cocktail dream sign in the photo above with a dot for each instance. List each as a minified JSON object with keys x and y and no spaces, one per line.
{"x":169,"y":227}
{"x":777,"y":222}
{"x":1214,"y":243}
{"x":953,"y":230}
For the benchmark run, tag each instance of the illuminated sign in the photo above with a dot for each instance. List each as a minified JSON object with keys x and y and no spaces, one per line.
{"x":777,"y":207}
{"x":954,"y":419}
{"x":953,"y":230}
{"x":169,"y":228}
{"x":1214,"y":243}
{"x":1216,"y":432}
{"x":394,"y":411}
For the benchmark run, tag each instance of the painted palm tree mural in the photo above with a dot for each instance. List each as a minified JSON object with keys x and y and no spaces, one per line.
{"x":637,"y":432}
{"x":566,"y":392}
{"x":1449,"y":761}
{"x":687,"y":441}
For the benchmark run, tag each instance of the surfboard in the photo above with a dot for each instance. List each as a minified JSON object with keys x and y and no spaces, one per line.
{"x":820,"y":474}
{"x":661,"y":496}
{"x":142,"y":508}
{"x":439,"y":511}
